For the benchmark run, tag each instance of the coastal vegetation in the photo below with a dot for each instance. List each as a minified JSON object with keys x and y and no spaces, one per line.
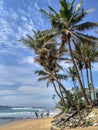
{"x":67,"y":43}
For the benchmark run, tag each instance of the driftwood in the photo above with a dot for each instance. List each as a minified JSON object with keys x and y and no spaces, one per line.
{"x":58,"y":115}
{"x":61,"y":121}
{"x":74,"y":119}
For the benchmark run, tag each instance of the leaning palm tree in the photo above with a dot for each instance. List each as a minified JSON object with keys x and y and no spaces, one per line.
{"x":47,"y":54}
{"x":47,"y":76}
{"x":67,"y":23}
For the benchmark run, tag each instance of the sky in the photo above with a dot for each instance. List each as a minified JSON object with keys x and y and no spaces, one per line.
{"x":18,"y":83}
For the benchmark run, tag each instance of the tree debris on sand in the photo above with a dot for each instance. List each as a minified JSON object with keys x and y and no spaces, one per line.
{"x":73,"y":119}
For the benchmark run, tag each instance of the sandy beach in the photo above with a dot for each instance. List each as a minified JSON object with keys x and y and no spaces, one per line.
{"x":29,"y":124}
{"x":36,"y":124}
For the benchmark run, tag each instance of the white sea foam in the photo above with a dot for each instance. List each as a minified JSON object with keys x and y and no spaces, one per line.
{"x":25,"y":112}
{"x":22,"y":108}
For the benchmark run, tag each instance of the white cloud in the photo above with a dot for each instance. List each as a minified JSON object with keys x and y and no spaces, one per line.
{"x":14,"y":15}
{"x":27,"y":96}
{"x":16,"y":74}
{"x":4,"y":51}
{"x":37,"y":90}
{"x":29,"y":60}
{"x":11,"y":32}
{"x":24,"y":100}
{"x":36,"y":6}
{"x":15,"y":24}
{"x":7,"y":92}
{"x":7,"y":83}
{"x":24,"y":18}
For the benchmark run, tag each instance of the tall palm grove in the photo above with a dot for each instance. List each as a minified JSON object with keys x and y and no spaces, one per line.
{"x":66,"y":51}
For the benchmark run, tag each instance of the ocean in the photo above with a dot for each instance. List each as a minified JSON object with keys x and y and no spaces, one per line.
{"x":10,"y":114}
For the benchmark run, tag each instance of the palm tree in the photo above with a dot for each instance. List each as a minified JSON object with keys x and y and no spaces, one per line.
{"x":85,"y":54}
{"x":71,"y":73}
{"x":90,"y":53}
{"x":47,"y":55}
{"x":47,"y":76}
{"x":67,"y":23}
{"x":79,"y":60}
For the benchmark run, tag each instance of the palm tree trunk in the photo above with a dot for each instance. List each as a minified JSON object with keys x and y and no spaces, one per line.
{"x":91,"y":78}
{"x":81,"y":85}
{"x":66,"y":92}
{"x":56,"y":90}
{"x":53,"y":75}
{"x":82,"y":77}
{"x":88,"y":82}
{"x":60,"y":96}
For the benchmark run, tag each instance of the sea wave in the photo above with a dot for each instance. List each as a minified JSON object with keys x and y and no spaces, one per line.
{"x":25,"y":112}
{"x":17,"y":115}
{"x":21,"y":108}
{"x":27,"y":108}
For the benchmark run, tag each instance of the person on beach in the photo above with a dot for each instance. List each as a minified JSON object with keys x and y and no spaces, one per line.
{"x":42,"y":114}
{"x":36,"y":114}
{"x":47,"y":114}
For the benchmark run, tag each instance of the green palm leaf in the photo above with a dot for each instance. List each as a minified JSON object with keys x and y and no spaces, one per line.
{"x":78,"y":7}
{"x":53,"y":10}
{"x":43,"y":78}
{"x":86,"y":26}
{"x":41,"y":72}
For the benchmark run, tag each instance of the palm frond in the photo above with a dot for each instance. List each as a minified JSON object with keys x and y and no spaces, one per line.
{"x":43,"y":78}
{"x":90,"y":10}
{"x":71,"y":5}
{"x":86,"y":26}
{"x":63,"y":5}
{"x":60,"y":76}
{"x":51,"y":9}
{"x":29,"y":42}
{"x":41,"y":72}
{"x":88,"y":37}
{"x":78,"y":18}
{"x":79,"y":6}
{"x":48,"y":82}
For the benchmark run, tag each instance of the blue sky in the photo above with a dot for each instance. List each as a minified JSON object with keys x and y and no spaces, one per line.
{"x":18,"y":83}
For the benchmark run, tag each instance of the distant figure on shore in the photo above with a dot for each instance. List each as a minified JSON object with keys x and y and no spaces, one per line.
{"x":42,"y":114}
{"x":47,"y":114}
{"x":36,"y":114}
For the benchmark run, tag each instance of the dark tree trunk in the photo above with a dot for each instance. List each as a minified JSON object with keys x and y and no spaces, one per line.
{"x":60,"y":96}
{"x":91,"y":78}
{"x":78,"y":76}
{"x":87,"y":74}
{"x":65,"y":91}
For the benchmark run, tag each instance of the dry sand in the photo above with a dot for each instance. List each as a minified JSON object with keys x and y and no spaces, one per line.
{"x":36,"y":124}
{"x":29,"y":124}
